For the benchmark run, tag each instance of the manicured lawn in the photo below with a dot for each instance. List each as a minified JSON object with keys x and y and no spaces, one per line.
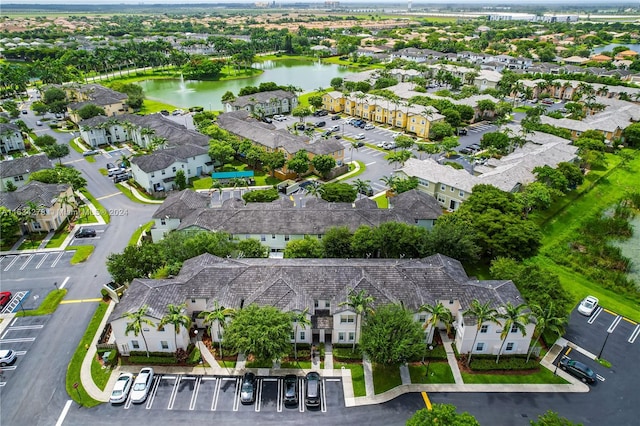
{"x":32,"y":240}
{"x":100,"y":373}
{"x":101,"y":210}
{"x":382,"y":201}
{"x":227,"y":364}
{"x":58,"y":237}
{"x":303,"y":365}
{"x":136,"y":235}
{"x":82,"y":253}
{"x":150,"y":107}
{"x":47,"y":306}
{"x":357,"y":377}
{"x":385,"y":377}
{"x":439,"y":372}
{"x":543,"y":376}
{"x":259,"y":364}
{"x":127,"y":193}
{"x":86,"y":216}
{"x":261,"y":177}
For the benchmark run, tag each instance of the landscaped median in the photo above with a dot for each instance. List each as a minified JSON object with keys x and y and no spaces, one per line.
{"x":47,"y":306}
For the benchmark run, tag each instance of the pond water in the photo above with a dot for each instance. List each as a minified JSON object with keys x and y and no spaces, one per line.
{"x":631,"y":249}
{"x":182,"y":93}
{"x":610,"y":47}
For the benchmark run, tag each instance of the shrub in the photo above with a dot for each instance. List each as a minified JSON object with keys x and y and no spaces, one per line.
{"x":508,"y":363}
{"x":344,"y":352}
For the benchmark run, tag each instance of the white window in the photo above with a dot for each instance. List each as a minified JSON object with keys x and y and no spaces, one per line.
{"x":422,"y":318}
{"x":173,"y":169}
{"x":135,"y":344}
{"x":514,"y":328}
{"x":153,"y":175}
{"x":341,"y":336}
{"x":443,"y":187}
{"x":316,"y":303}
{"x":461,"y":194}
{"x":452,"y":189}
{"x":163,"y":222}
{"x":479,"y":347}
{"x":352,"y":336}
{"x":163,"y":172}
{"x":302,"y":335}
{"x":293,"y":334}
{"x":263,"y":237}
{"x":273,"y":236}
{"x":344,"y":319}
{"x":327,"y":304}
{"x":18,"y":178}
{"x":286,"y":238}
{"x":164,"y":344}
{"x":510,"y":346}
{"x":484,"y":329}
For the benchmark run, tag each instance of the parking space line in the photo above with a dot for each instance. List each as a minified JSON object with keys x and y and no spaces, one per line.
{"x":568,"y":350}
{"x":216,"y":392}
{"x":301,"y":395}
{"x":55,"y":262}
{"x":24,"y":265}
{"x":26,"y":327}
{"x":236,"y":395}
{"x":427,"y":402}
{"x":614,"y":324}
{"x":11,"y":263}
{"x":634,"y":334}
{"x":594,"y":315}
{"x":258,"y":394}
{"x":42,"y":261}
{"x":368,"y":164}
{"x":174,"y":392}
{"x":65,"y":410}
{"x":280,"y":400}
{"x":323,"y":400}
{"x":2,"y":384}
{"x":630,"y":321}
{"x":154,"y":389}
{"x":20,"y":340}
{"x":599,"y":377}
{"x":9,"y":368}
{"x":609,"y":312}
{"x":194,"y":396}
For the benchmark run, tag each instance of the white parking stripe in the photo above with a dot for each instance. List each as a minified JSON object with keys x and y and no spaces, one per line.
{"x":368,"y":164}
{"x":301,"y":395}
{"x":26,"y":327}
{"x":42,"y":261}
{"x":55,"y":262}
{"x":64,"y":283}
{"x":216,"y":393}
{"x":23,"y":339}
{"x":65,"y":410}
{"x":280,"y":399}
{"x":258,"y":396}
{"x":11,"y":263}
{"x":9,"y":368}
{"x":194,"y":396}
{"x":594,"y":315}
{"x":174,"y":392}
{"x":614,"y":324}
{"x":24,"y":265}
{"x":599,"y":377}
{"x":236,"y":396}
{"x":634,"y":334}
{"x":323,"y":400}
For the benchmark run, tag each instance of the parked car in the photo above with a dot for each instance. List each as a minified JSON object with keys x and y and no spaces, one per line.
{"x":322,"y":113}
{"x":335,"y":128}
{"x":24,"y":111}
{"x":367,"y":192}
{"x":588,"y":305}
{"x":38,"y":123}
{"x":474,"y":147}
{"x":321,"y":124}
{"x":248,"y":389}
{"x":578,"y":369}
{"x":85,"y":233}
{"x":548,"y":101}
{"x":335,"y":117}
{"x":312,"y":390}
{"x":389,"y":145}
{"x":91,"y":152}
{"x":142,"y":385}
{"x":359,"y":144}
{"x":290,"y":389}
{"x":326,"y":133}
{"x":369,"y":126}
{"x":164,"y":112}
{"x":120,"y":177}
{"x":279,"y":117}
{"x":465,"y":151}
{"x":359,"y":136}
{"x":267,"y":120}
{"x":121,"y":388}
{"x":112,"y":169}
{"x":337,"y":136}
{"x":462,"y":132}
{"x":300,"y":126}
{"x":7,"y":357}
{"x":5,"y":297}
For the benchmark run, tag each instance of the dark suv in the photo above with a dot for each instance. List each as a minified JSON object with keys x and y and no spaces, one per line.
{"x":85,"y":233}
{"x":291,"y":389}
{"x":462,"y":132}
{"x":312,"y":390}
{"x":248,"y":389}
{"x":578,"y":369}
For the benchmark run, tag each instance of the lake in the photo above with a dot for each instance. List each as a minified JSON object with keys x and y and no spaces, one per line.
{"x":182,"y":93}
{"x":631,"y":249}
{"x":610,"y":47}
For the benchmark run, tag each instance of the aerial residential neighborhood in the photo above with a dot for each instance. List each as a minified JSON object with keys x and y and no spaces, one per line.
{"x":319,"y":213}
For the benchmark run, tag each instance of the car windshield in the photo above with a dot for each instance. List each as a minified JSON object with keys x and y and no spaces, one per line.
{"x":291,"y":389}
{"x":116,"y":392}
{"x":139,"y":386}
{"x":247,"y":387}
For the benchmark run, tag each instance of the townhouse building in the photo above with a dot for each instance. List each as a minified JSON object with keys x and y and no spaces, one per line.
{"x":264,"y":104}
{"x":18,"y":170}
{"x":319,"y":285}
{"x":10,"y":138}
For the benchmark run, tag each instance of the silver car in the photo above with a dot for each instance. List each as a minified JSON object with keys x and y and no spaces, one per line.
{"x":142,"y":385}
{"x":121,"y":388}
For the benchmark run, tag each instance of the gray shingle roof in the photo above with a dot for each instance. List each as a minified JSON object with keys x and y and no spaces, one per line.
{"x":262,"y":97}
{"x":296,"y":283}
{"x":180,"y":204}
{"x":22,"y":165}
{"x":42,"y":194}
{"x":163,"y":158}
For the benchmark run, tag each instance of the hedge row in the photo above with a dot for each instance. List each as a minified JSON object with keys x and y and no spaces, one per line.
{"x":487,"y":363}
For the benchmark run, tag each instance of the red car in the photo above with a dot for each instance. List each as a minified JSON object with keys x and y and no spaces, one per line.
{"x":5,"y":297}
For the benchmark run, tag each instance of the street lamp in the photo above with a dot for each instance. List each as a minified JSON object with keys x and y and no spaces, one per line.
{"x":55,"y":284}
{"x":605,"y":342}
{"x":429,"y":360}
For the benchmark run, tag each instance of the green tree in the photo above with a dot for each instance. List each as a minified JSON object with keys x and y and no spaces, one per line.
{"x":89,"y":111}
{"x":514,"y":318}
{"x":391,"y":336}
{"x":338,"y":192}
{"x":301,"y":112}
{"x":400,"y":156}
{"x":551,"y":418}
{"x":536,"y":196}
{"x":176,"y":247}
{"x":9,"y":223}
{"x":404,"y":142}
{"x":440,"y":130}
{"x":228,"y":97}
{"x":181,"y":180}
{"x":449,"y":143}
{"x":361,"y":303}
{"x":551,"y":177}
{"x":546,"y":320}
{"x":273,"y":160}
{"x":451,"y":239}
{"x":308,"y":247}
{"x":219,"y":315}
{"x":452,"y":116}
{"x":299,"y":163}
{"x":437,"y":313}
{"x":480,"y":313}
{"x":56,"y":100}
{"x":572,"y":173}
{"x":441,"y":415}
{"x":221,"y":152}
{"x":134,"y":262}
{"x":250,"y":247}
{"x":496,"y":140}
{"x":261,"y":196}
{"x":44,"y":141}
{"x":177,"y":317}
{"x":336,"y":83}
{"x":323,"y":164}
{"x":315,"y":101}
{"x":362,"y":186}
{"x":60,"y":174}
{"x":56,"y":151}
{"x":336,"y":242}
{"x":300,"y":319}
{"x":632,"y":135}
{"x":263,"y":331}
{"x":138,"y":321}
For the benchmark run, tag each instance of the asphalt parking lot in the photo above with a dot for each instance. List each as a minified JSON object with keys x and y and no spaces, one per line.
{"x":19,"y":336}
{"x":179,"y":392}
{"x":32,"y":261}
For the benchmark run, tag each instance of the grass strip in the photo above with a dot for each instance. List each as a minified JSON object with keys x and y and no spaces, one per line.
{"x":357,"y":376}
{"x":82,"y":253}
{"x":385,"y":377}
{"x":439,"y":372}
{"x":136,"y":235}
{"x":48,"y":305}
{"x":101,"y":210}
{"x":543,"y":376}
{"x":79,"y":394}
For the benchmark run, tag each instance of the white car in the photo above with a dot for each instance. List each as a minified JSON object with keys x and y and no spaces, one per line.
{"x":142,"y":385}
{"x":121,"y":388}
{"x":359,"y":136}
{"x":7,"y":357}
{"x":588,"y":305}
{"x":369,"y":127}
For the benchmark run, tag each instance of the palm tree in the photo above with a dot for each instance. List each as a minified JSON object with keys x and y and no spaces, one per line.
{"x":361,"y":186}
{"x":300,"y":318}
{"x":438,"y":313}
{"x":482,"y":312}
{"x":138,"y":320}
{"x":546,"y":320}
{"x":361,"y":303}
{"x":68,"y":201}
{"x":354,"y":145}
{"x":219,"y":314}
{"x":390,"y":181}
{"x":177,"y":318}
{"x":514,"y":319}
